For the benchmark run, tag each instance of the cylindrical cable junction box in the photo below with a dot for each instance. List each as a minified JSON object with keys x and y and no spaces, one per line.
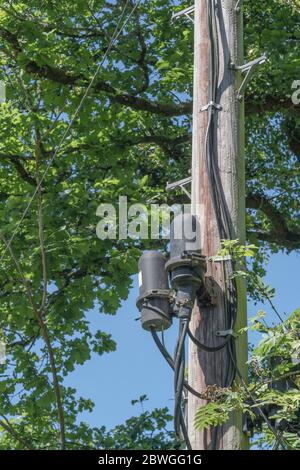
{"x":186,"y":265}
{"x":154,"y":293}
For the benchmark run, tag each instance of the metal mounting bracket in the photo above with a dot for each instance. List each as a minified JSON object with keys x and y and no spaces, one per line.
{"x":239,"y":6}
{"x":248,"y":69}
{"x":155,"y":293}
{"x":180,"y":184}
{"x":186,"y":12}
{"x":219,"y":259}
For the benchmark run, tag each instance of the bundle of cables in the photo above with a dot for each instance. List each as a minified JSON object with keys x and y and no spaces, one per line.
{"x":220,"y":206}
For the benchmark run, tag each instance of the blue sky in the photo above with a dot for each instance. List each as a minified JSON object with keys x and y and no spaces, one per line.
{"x":137,"y":368}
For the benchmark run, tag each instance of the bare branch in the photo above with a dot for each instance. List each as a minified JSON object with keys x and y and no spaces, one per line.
{"x":38,"y":152}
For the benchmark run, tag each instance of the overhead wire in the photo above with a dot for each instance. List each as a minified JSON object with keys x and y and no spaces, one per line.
{"x":113,"y":39}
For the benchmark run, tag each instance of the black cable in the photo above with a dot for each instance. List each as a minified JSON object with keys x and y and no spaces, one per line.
{"x":214,"y":438}
{"x":170,"y":361}
{"x":230,"y":314}
{"x":162,"y":349}
{"x":179,"y":370}
{"x":207,"y":348}
{"x":177,"y":361}
{"x":179,"y":422}
{"x":216,"y":189}
{"x":185,"y":432}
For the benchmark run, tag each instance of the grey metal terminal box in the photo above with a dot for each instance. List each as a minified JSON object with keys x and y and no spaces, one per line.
{"x":154,"y":294}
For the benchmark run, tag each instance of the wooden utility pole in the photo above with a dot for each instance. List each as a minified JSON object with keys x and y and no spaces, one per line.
{"x":206,"y":368}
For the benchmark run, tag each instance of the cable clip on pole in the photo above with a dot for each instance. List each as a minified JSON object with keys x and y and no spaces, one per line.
{"x":224,"y":333}
{"x":212,"y":105}
{"x":219,"y":259}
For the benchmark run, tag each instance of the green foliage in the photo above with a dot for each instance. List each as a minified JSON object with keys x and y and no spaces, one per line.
{"x":148,"y":431}
{"x":249,"y":260}
{"x":237,"y":251}
{"x":274,"y":386}
{"x":212,"y":414}
{"x":273,"y":367}
{"x":131,"y":136}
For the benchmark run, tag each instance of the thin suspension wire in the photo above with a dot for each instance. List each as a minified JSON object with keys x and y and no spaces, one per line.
{"x":280,"y":439}
{"x":113,"y":39}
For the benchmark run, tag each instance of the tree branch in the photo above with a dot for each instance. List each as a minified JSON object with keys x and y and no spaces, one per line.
{"x":38,"y":153}
{"x":16,"y":161}
{"x":6,"y":425}
{"x":62,"y":76}
{"x":279,"y":232}
{"x":270,"y":103}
